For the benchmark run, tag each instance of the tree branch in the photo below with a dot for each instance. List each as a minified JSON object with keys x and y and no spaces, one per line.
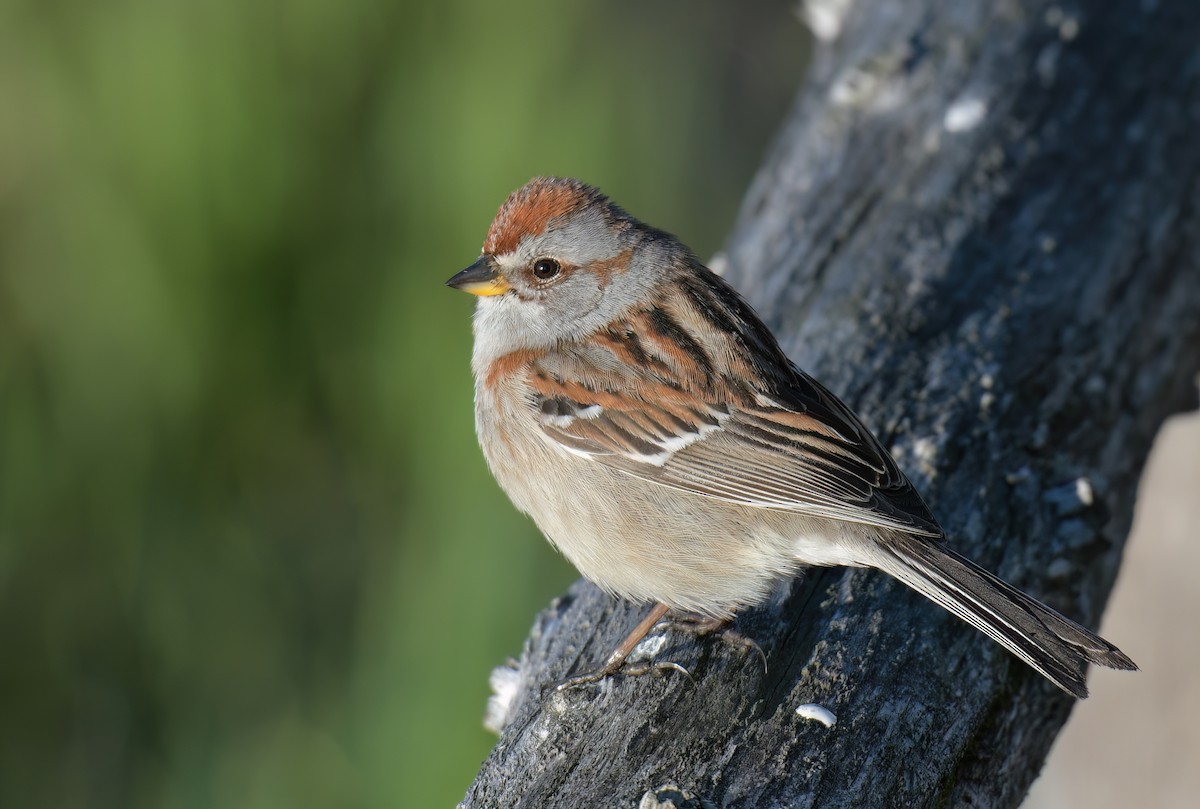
{"x":980,"y":227}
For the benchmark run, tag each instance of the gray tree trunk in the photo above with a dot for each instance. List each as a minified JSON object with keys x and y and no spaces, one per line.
{"x":981,"y":228}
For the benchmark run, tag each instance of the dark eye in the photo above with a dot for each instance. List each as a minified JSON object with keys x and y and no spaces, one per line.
{"x":546,"y":268}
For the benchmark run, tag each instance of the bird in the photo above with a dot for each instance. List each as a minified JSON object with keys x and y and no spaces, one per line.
{"x":636,"y":407}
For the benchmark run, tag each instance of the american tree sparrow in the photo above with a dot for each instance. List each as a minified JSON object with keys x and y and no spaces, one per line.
{"x":634,"y":405}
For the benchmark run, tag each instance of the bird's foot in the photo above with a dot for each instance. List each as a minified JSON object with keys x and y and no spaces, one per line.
{"x":625,"y":669}
{"x":704,"y":625}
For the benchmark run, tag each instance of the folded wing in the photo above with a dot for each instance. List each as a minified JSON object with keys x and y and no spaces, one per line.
{"x":798,"y":449}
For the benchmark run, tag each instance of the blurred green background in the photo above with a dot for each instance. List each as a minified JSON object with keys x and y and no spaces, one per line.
{"x":250,"y":555}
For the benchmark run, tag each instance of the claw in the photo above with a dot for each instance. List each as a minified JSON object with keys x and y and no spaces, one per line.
{"x":626,"y":670}
{"x":703,"y":626}
{"x":700,"y":626}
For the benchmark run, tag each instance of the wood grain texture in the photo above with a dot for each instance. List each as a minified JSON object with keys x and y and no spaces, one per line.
{"x":980,"y":226}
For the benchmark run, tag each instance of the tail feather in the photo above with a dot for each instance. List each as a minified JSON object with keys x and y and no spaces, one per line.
{"x":1054,"y":645}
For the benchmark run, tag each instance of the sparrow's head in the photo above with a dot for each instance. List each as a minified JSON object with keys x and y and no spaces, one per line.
{"x":561,"y":261}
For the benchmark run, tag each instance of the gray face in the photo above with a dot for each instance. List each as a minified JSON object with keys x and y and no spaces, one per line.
{"x":606,"y":269}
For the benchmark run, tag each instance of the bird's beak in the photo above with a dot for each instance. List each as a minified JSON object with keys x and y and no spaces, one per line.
{"x":480,"y":279}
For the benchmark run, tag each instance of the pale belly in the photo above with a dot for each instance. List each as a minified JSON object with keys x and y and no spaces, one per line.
{"x":647,"y":542}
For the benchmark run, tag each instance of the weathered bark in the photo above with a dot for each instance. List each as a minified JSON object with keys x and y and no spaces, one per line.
{"x":981,"y":227}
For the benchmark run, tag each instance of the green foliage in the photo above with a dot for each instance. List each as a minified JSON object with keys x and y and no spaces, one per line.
{"x":249,"y":552}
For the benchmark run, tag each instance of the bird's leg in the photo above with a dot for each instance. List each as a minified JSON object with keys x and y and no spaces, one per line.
{"x":704,"y":625}
{"x":700,"y":625}
{"x":617,"y":659}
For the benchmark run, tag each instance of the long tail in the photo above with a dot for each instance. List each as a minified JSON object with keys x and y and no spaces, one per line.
{"x":1054,"y":645}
